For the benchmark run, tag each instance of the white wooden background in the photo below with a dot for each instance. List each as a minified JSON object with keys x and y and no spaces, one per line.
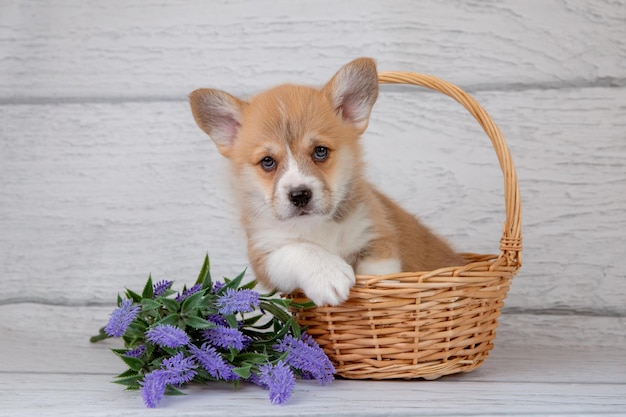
{"x":104,"y":176}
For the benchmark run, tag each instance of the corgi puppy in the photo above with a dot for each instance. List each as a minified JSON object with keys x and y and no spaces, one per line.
{"x":312,"y":220}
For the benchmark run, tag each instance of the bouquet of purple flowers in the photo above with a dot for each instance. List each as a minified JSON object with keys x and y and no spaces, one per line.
{"x":222,"y":331}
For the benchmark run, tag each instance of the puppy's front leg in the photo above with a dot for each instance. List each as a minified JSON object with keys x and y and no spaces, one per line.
{"x":325,"y":278}
{"x":379,"y":266}
{"x":381,"y":257}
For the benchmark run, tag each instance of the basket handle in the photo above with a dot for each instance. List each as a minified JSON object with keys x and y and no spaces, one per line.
{"x":511,"y":242}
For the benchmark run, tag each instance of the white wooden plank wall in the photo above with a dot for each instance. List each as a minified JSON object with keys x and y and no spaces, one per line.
{"x":104,"y":176}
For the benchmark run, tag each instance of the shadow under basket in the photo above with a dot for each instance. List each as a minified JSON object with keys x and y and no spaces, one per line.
{"x":431,"y":323}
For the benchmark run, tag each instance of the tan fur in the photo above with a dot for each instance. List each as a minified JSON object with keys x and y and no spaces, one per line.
{"x":420,"y":249}
{"x":287,"y":124}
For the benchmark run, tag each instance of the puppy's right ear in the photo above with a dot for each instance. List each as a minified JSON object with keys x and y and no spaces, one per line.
{"x":218,"y":114}
{"x":353,"y":91}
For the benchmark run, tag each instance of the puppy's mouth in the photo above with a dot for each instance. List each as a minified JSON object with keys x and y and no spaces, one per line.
{"x":300,"y":213}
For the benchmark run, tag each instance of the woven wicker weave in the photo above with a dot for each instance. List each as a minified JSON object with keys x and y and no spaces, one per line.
{"x":425,"y":324}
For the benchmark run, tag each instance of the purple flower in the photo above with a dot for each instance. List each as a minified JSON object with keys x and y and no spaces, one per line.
{"x":178,"y":369}
{"x":137,"y":352}
{"x":175,"y":370}
{"x":160,"y":287}
{"x":308,"y":339}
{"x":121,"y":318}
{"x":226,"y":337}
{"x":233,"y":301}
{"x":167,"y":335}
{"x":153,"y":388}
{"x":188,"y":292}
{"x":279,"y":379}
{"x":307,"y":356}
{"x":213,"y":362}
{"x":217,"y":319}
{"x":256,"y":380}
{"x":218,"y":286}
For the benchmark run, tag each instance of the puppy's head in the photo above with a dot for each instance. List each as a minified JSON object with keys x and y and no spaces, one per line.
{"x":294,"y":149}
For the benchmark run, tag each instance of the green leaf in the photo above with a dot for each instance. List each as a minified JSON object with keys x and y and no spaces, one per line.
{"x":276,"y":311}
{"x":127,"y":373}
{"x":148,"y":290}
{"x":192,"y":302}
{"x":100,"y":336}
{"x":288,"y":302}
{"x":283,"y":302}
{"x":170,"y":390}
{"x":280,"y":330}
{"x":156,"y":362}
{"x":132,"y":333}
{"x":302,"y":306}
{"x":198,"y":323}
{"x":204,"y":277}
{"x":171,"y":319}
{"x":149,"y":350}
{"x":295,"y":329}
{"x":203,"y":376}
{"x":250,"y":357}
{"x":282,"y":357}
{"x":133,"y":363}
{"x":133,"y":340}
{"x":170,"y":304}
{"x":264,"y":326}
{"x":250,"y":285}
{"x":252,"y":320}
{"x":207,"y":304}
{"x":231,"y":319}
{"x":136,"y":330}
{"x":170,"y":351}
{"x":235,"y":282}
{"x":232,"y":353}
{"x":131,"y":381}
{"x":148,"y":304}
{"x":133,"y":296}
{"x":269,"y":295}
{"x":256,"y":335}
{"x":243,"y":371}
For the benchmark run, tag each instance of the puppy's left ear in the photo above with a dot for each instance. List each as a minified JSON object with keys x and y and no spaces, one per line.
{"x":353,"y":91}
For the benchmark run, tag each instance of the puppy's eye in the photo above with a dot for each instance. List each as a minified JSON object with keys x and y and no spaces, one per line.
{"x":268,"y":163}
{"x":320,"y":153}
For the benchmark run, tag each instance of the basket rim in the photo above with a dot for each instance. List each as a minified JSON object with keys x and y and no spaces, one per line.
{"x":511,"y":240}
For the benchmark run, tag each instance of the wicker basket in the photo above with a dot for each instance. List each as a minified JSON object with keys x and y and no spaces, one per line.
{"x":432,"y":323}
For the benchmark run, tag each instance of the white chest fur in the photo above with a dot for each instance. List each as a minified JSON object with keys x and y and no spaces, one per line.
{"x":344,"y":238}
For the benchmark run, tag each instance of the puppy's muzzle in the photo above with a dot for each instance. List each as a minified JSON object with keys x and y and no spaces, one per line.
{"x":300,"y":197}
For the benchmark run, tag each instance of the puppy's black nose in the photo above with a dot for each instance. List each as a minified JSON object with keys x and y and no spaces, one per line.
{"x":300,"y":197}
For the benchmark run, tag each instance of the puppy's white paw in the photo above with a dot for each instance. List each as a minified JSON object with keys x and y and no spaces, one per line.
{"x":329,"y":282}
